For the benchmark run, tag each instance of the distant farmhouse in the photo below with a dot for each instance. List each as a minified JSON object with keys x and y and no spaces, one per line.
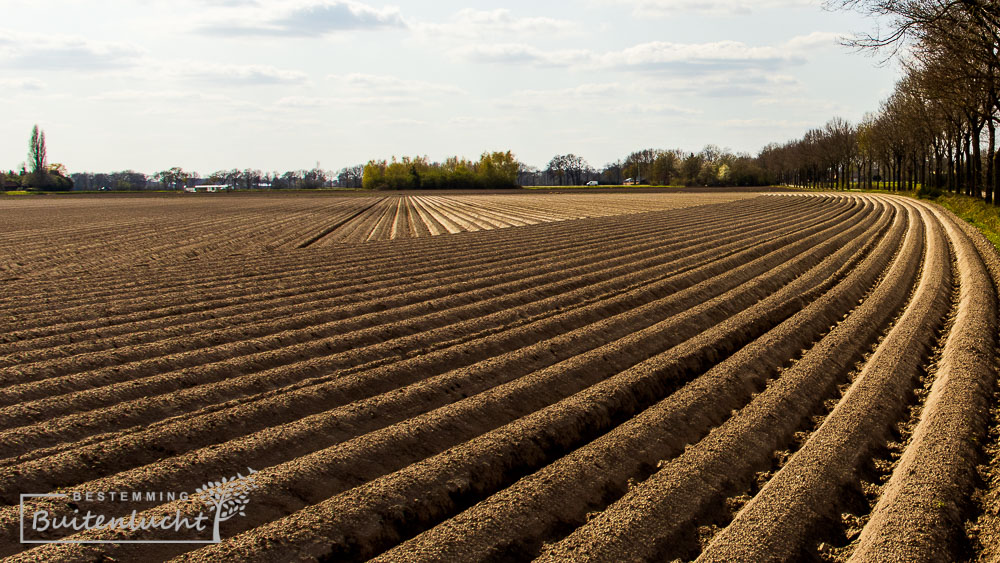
{"x":208,"y":188}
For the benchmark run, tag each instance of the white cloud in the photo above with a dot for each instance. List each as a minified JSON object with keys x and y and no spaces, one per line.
{"x":64,"y":52}
{"x":729,"y":84}
{"x":665,"y":8}
{"x":677,"y":58}
{"x":656,"y":108}
{"x":763,"y":123}
{"x":825,"y":107}
{"x":303,"y":102}
{"x":304,"y":18}
{"x":387,"y":85}
{"x":406,"y":122}
{"x":30,"y":84}
{"x":481,"y":122}
{"x":585,"y":97}
{"x":397,"y":122}
{"x":177,"y":103}
{"x":520,"y":53}
{"x":590,"y":99}
{"x":245,"y":75}
{"x":815,"y":40}
{"x":502,"y":20}
{"x":475,"y":23}
{"x":696,"y":56}
{"x":143,"y":96}
{"x":359,"y":89}
{"x":584,"y":91}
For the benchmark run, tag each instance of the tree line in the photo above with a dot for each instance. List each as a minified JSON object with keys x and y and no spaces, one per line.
{"x":177,"y":178}
{"x":937,"y":130}
{"x":711,"y":166}
{"x":36,"y":174}
{"x":493,"y":170}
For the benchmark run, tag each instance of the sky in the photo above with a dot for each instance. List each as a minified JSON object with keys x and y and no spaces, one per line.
{"x":286,"y":85}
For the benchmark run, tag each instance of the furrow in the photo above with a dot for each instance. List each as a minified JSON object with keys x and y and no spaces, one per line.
{"x":514,"y":355}
{"x":313,"y":340}
{"x":658,"y":518}
{"x":185,"y":289}
{"x":307,"y":300}
{"x":919,"y":517}
{"x":530,"y":433}
{"x":336,"y":225}
{"x":779,"y":520}
{"x":516,"y":521}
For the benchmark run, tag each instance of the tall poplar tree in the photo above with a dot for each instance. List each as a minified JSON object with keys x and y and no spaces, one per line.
{"x":37,"y":157}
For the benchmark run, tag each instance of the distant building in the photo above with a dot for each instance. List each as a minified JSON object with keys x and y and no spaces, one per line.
{"x":208,"y":188}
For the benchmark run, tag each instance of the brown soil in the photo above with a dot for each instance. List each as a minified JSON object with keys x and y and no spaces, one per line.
{"x":496,"y":377}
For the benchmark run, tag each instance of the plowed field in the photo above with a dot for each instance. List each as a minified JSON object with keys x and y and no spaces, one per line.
{"x":54,"y":236}
{"x":572,"y":377}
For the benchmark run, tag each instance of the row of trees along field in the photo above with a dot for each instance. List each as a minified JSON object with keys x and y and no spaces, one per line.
{"x":711,"y":166}
{"x":494,"y":170}
{"x":247,"y":179}
{"x":37,"y":174}
{"x":937,"y":130}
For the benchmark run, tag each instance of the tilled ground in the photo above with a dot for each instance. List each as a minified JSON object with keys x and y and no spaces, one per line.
{"x":598,"y":377}
{"x":72,"y":235}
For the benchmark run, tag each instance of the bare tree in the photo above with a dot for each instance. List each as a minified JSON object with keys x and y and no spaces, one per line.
{"x":351,"y":176}
{"x":173,"y":179}
{"x":568,"y":168}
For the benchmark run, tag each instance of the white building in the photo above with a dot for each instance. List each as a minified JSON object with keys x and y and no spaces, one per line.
{"x":211,"y":188}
